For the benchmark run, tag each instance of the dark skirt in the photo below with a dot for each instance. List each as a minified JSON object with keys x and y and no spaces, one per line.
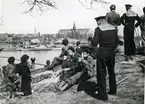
{"x":129,"y":44}
{"x":26,"y":87}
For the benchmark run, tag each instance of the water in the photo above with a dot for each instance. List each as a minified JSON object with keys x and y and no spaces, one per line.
{"x":41,"y":56}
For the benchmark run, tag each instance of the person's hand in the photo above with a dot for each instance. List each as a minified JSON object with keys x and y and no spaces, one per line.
{"x":64,"y":57}
{"x":80,"y":59}
{"x":66,"y":69}
{"x":33,"y":60}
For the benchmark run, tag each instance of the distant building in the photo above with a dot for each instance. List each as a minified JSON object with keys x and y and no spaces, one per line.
{"x":74,"y":33}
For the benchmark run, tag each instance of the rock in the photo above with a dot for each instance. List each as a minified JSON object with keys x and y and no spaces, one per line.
{"x":40,"y":86}
{"x":41,"y":76}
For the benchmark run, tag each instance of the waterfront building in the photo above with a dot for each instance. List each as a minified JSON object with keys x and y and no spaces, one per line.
{"x":74,"y":33}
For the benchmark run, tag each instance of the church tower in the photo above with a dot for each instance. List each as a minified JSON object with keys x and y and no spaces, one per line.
{"x":74,"y":27}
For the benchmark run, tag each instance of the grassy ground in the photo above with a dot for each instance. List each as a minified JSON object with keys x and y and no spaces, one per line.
{"x":130,"y":91}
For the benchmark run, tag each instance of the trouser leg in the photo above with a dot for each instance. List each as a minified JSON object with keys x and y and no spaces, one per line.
{"x":112,"y":78}
{"x":101,"y":78}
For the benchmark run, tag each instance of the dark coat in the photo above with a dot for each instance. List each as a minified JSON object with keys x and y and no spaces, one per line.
{"x":24,"y":71}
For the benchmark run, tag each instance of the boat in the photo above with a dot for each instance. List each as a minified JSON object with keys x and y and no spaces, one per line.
{"x":40,"y":48}
{"x":1,"y":49}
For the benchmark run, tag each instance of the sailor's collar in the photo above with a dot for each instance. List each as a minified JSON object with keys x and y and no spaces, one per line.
{"x":130,"y":13}
{"x":107,"y":26}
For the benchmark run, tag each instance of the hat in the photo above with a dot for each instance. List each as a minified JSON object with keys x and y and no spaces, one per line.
{"x":128,"y":5}
{"x":24,"y":58}
{"x":112,"y":7}
{"x":65,"y":42}
{"x":99,"y":18}
{"x":71,"y":48}
{"x":86,"y":50}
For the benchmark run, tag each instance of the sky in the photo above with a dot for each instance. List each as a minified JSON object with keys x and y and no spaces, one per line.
{"x":50,"y":21}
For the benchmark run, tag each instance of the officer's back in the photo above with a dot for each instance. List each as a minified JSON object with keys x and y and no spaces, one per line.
{"x":112,"y":17}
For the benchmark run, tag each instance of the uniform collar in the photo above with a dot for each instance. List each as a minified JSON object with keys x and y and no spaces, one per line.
{"x":130,"y":13}
{"x":106,"y":26}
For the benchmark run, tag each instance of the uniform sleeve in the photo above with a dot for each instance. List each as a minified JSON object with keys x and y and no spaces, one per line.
{"x":141,"y":25}
{"x":138,"y":21}
{"x":123,"y":19}
{"x":95,"y":40}
{"x":107,"y":17}
{"x":118,"y":22}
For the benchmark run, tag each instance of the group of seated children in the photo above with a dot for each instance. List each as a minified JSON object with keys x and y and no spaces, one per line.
{"x":78,"y":66}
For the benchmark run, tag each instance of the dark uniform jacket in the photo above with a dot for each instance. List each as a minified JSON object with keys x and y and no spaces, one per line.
{"x":113,"y":18}
{"x":105,"y":37}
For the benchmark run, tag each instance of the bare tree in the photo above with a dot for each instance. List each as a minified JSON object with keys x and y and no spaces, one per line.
{"x":41,"y":4}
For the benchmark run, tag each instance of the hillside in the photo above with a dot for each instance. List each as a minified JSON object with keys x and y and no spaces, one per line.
{"x":130,"y":91}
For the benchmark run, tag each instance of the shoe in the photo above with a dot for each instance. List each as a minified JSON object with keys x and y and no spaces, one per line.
{"x":111,"y":93}
{"x":99,"y":98}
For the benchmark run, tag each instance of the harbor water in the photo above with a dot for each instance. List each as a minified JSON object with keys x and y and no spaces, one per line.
{"x":41,"y":56}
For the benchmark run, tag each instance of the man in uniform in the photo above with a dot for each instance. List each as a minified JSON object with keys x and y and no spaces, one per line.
{"x":128,"y":20}
{"x":106,"y":37}
{"x":112,"y":17}
{"x":142,"y":25}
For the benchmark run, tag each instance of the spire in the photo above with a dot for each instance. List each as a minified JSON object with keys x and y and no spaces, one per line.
{"x":74,"y":27}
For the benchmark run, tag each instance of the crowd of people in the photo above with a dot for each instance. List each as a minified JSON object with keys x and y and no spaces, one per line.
{"x":85,"y":66}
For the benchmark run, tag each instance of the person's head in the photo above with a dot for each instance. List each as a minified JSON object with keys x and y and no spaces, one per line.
{"x":11,"y":60}
{"x":128,"y":6}
{"x":144,"y":10}
{"x":71,"y":50}
{"x":100,"y":20}
{"x":90,"y":40}
{"x":65,"y":42}
{"x":86,"y":53}
{"x":112,"y":7}
{"x":77,"y":43}
{"x":24,"y":58}
{"x":47,"y":62}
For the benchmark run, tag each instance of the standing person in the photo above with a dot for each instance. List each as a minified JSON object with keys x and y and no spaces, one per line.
{"x":10,"y":77}
{"x":24,"y":71}
{"x":47,"y":66}
{"x":112,"y":17}
{"x":142,"y":25}
{"x":128,"y":20}
{"x":107,"y":38}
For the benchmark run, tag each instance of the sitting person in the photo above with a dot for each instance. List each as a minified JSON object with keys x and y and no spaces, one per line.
{"x":10,"y":77}
{"x":78,"y":49}
{"x":89,"y":71}
{"x":87,"y":65}
{"x":93,"y":50}
{"x":47,"y":66}
{"x":69,"y":67}
{"x":58,"y":60}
